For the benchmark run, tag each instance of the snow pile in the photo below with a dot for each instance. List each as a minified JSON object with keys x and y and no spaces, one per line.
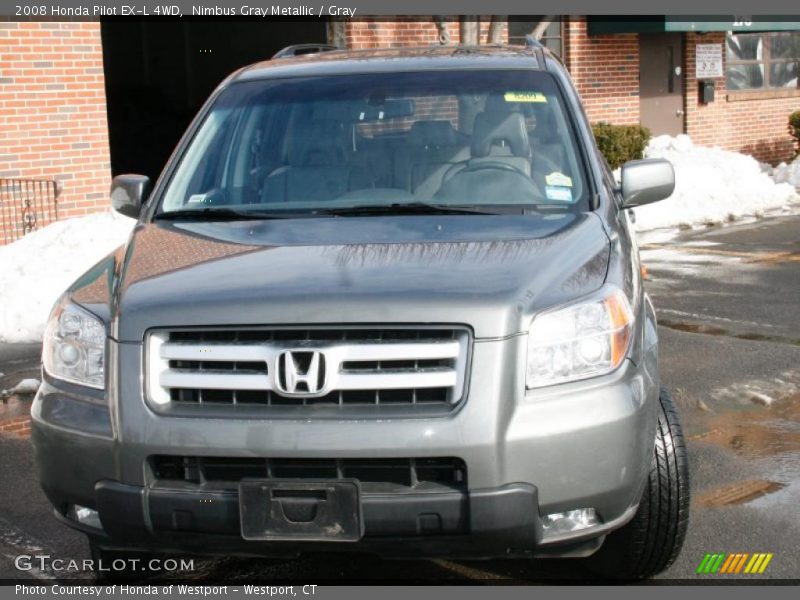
{"x":711,"y":186}
{"x":790,"y":173}
{"x":36,"y":269}
{"x":26,"y":387}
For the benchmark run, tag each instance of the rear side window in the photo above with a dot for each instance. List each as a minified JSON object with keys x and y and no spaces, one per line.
{"x":478,"y":137}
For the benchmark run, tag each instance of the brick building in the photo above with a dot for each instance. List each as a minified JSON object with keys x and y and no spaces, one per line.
{"x":53,"y":122}
{"x":80,"y":101}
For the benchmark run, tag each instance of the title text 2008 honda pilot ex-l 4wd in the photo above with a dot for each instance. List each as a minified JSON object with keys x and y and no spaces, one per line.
{"x":383,"y":301}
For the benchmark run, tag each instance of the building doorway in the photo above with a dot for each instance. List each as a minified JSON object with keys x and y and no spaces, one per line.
{"x":661,"y":82}
{"x":159,"y":73}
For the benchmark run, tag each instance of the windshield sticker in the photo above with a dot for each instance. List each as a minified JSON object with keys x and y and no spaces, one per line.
{"x":562,"y":194}
{"x":525,"y":97}
{"x":196,"y":199}
{"x":557,"y":178}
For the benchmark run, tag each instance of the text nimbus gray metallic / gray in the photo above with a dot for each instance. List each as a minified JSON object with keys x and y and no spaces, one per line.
{"x":274,"y":10}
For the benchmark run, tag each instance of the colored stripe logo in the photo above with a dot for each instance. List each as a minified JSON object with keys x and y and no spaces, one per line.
{"x":737,"y":563}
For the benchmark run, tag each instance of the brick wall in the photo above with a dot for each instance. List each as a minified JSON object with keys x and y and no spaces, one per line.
{"x":53,"y":110}
{"x":605,"y":69}
{"x":755,"y":125}
{"x":15,"y":416}
{"x":405,"y":31}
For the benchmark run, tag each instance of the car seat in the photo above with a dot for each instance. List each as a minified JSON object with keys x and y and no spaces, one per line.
{"x":317,"y":165}
{"x":431,"y":149}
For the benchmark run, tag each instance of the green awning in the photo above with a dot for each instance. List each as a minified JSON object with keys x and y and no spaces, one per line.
{"x":604,"y":25}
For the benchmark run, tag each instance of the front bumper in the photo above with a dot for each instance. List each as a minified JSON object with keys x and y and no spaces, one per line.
{"x":498,"y":522}
{"x":581,"y":445}
{"x":502,"y":522}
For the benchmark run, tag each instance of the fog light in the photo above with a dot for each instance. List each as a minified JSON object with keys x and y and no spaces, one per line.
{"x":556,"y":524}
{"x":84,"y":516}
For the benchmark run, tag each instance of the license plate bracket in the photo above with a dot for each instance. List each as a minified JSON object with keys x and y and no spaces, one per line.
{"x":292,"y":510}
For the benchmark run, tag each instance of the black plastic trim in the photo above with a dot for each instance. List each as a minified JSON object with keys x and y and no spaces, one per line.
{"x":480,"y":523}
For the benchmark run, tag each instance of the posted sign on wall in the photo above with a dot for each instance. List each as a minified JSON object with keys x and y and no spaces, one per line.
{"x":708,"y":59}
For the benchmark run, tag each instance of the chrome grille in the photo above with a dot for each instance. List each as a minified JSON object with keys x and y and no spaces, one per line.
{"x":307,"y":367}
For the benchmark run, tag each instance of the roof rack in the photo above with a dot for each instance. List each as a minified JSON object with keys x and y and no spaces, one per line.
{"x":300,"y":49}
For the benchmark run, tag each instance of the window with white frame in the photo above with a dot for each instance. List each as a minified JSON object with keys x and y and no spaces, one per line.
{"x":762,"y":61}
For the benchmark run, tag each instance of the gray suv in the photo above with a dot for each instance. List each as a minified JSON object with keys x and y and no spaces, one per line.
{"x":386,"y":301}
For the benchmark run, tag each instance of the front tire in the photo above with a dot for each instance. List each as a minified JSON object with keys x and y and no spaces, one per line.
{"x":652,"y":540}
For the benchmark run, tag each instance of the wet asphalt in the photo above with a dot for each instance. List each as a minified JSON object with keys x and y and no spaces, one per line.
{"x":729,"y":326}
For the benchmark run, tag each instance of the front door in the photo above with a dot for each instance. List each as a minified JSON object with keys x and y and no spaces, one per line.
{"x":661,"y":82}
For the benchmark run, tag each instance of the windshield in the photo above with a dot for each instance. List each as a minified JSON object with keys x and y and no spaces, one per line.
{"x":487,"y":140}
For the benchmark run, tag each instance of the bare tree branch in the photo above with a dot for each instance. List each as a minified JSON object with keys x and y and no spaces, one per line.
{"x":441,"y":28}
{"x":468,"y":30}
{"x":336,"y":33}
{"x":539,"y":30}
{"x":495,"y":35}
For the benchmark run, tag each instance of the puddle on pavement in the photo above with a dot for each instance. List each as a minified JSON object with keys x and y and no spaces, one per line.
{"x":777,"y":258}
{"x":692,"y":327}
{"x":770,"y":436}
{"x":738,"y":492}
{"x":712,"y":330}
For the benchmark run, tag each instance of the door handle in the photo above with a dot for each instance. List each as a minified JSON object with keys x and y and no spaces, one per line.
{"x":679,"y":113}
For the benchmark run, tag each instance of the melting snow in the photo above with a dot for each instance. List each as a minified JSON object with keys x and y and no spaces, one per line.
{"x":790,"y":173}
{"x":26,"y":387}
{"x":713,"y":186}
{"x":36,"y":269}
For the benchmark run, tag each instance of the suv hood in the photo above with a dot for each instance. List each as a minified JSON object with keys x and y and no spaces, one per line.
{"x":488,"y":272}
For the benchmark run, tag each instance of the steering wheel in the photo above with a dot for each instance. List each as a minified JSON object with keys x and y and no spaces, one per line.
{"x":456,"y":187}
{"x":492,"y":165}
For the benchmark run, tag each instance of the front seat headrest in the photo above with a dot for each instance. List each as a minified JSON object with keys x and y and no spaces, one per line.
{"x":493,"y":127}
{"x":317,"y":142}
{"x":432,"y":133}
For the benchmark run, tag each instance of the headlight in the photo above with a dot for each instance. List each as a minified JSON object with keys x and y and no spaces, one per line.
{"x":74,"y":346}
{"x":581,"y":340}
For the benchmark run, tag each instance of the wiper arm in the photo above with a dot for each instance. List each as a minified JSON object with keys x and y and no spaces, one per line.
{"x":409,"y":208}
{"x":217,"y":214}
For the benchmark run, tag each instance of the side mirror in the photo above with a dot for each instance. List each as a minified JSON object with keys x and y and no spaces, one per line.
{"x":129,"y":193}
{"x":646,"y":181}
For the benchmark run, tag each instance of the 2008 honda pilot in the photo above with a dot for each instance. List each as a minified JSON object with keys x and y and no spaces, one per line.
{"x":386,"y":300}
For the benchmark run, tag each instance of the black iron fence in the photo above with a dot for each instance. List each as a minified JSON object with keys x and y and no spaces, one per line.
{"x":26,"y":205}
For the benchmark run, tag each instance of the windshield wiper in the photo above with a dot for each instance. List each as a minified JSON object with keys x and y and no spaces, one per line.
{"x":229,"y":214}
{"x":409,"y":208}
{"x":219,"y":214}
